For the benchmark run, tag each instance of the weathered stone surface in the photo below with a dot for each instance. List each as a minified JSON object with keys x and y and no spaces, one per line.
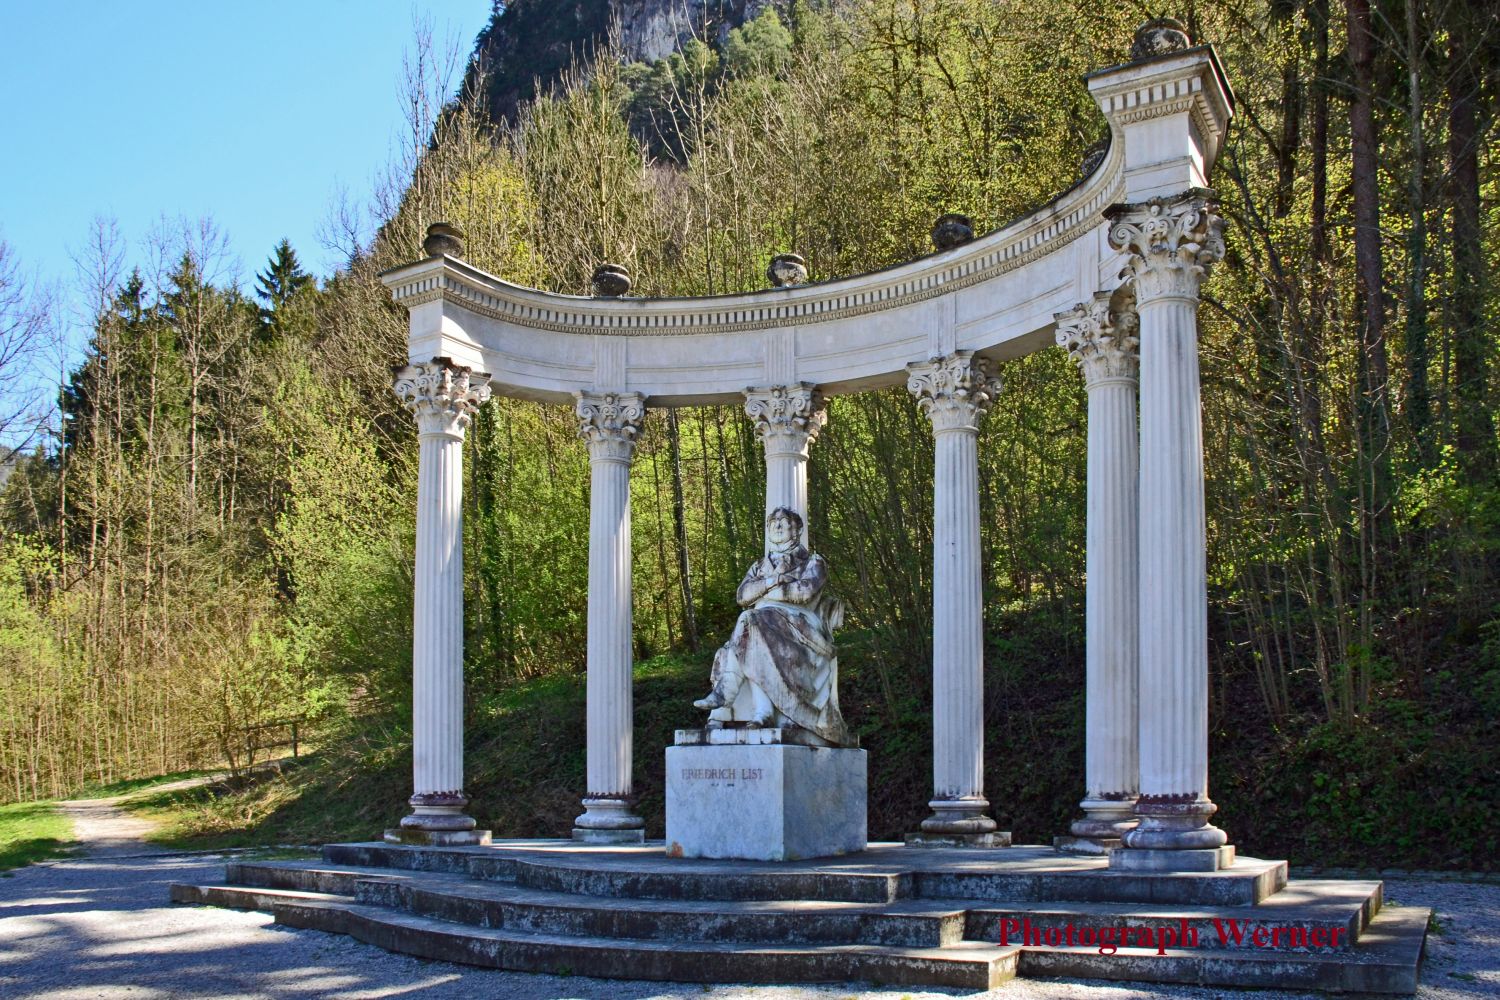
{"x":443,"y":238}
{"x":768,"y":803}
{"x":599,"y":835}
{"x":1087,"y":845}
{"x":632,"y":912}
{"x":993,"y":838}
{"x":610,"y":281}
{"x":436,"y":838}
{"x":787,"y":269}
{"x":1158,"y":37}
{"x":952,"y":230}
{"x":1135,"y":859}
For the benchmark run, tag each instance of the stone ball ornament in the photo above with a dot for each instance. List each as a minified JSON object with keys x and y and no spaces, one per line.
{"x":1158,"y":37}
{"x":443,"y":238}
{"x":610,"y":281}
{"x":952,"y":230}
{"x":786,"y":270}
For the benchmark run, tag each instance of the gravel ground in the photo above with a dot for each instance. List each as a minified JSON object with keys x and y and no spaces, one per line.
{"x":102,"y":927}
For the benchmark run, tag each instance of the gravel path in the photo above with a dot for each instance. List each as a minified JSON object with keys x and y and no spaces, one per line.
{"x":103,"y":829}
{"x":102,"y":927}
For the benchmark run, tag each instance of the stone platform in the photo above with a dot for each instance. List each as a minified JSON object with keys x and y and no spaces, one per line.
{"x":964,"y":917}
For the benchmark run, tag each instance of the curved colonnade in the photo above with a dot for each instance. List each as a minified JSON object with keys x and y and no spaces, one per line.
{"x":1109,"y":270}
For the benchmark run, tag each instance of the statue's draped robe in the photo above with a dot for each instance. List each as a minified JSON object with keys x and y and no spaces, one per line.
{"x":783,"y":643}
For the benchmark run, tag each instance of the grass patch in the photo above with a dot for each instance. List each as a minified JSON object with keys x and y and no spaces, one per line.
{"x":32,"y":831}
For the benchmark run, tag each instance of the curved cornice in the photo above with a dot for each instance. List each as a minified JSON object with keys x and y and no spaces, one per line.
{"x":1031,"y":237}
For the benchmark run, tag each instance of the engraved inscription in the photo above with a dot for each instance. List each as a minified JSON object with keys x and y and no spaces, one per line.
{"x":723,"y":773}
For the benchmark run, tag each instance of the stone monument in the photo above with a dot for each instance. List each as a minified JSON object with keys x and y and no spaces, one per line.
{"x":774,"y":775}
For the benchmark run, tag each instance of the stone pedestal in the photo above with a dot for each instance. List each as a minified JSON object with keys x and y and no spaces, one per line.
{"x":752,"y":794}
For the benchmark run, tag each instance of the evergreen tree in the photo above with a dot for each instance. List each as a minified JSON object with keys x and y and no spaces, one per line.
{"x":282,"y":279}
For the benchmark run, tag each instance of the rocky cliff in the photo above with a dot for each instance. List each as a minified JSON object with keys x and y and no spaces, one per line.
{"x":532,"y":41}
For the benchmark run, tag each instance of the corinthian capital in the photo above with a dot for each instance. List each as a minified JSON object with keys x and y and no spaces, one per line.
{"x":954,"y":391}
{"x":610,"y":423}
{"x":443,"y":395}
{"x":787,"y":418}
{"x":1171,"y":243}
{"x":1102,"y":341}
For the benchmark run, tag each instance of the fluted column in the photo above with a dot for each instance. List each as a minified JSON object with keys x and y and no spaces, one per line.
{"x":787,"y":421}
{"x":955,"y":392}
{"x":443,"y":396}
{"x":1104,"y":345}
{"x":1171,"y":243}
{"x":609,"y":423}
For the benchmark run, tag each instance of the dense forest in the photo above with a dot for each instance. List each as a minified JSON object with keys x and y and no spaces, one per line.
{"x":217,"y":534}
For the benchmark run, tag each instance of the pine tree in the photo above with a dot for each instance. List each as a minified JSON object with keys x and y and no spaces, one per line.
{"x":282,"y":279}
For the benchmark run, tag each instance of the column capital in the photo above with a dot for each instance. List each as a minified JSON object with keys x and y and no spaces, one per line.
{"x":787,"y":418}
{"x":610,"y":422}
{"x":1171,"y":242}
{"x":955,"y":391}
{"x":1104,"y":342}
{"x":441,"y":394}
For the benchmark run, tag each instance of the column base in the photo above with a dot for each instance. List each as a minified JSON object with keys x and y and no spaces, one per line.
{"x":606,"y":816}
{"x":961,"y":816}
{"x":436,"y":838}
{"x":436,"y":818}
{"x":1170,"y":823}
{"x":1135,"y":859}
{"x":995,"y":838}
{"x":1086,"y":845}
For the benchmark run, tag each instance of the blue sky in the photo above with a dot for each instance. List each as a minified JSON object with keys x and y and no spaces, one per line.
{"x":255,"y":114}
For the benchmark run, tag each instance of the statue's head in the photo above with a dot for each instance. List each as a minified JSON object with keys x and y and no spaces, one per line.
{"x":783,"y":528}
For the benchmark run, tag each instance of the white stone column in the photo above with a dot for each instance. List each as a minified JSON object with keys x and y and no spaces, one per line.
{"x":609,"y":423}
{"x":955,"y":392}
{"x":443,"y":396}
{"x":1171,"y":242}
{"x":1104,"y":345}
{"x":788,"y":419}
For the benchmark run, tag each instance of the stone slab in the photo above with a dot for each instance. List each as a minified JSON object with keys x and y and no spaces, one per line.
{"x":1131,"y":859}
{"x":437,"y":838}
{"x":587,"y":835}
{"x":996,"y":838}
{"x":765,"y":803}
{"x":1087,"y":845}
{"x":746,"y":736}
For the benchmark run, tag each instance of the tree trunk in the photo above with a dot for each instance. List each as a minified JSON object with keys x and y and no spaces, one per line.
{"x":679,"y":530}
{"x":1418,"y":404}
{"x":1475,"y":426}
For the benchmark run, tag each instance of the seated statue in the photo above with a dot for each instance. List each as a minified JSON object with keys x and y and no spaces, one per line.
{"x":779,"y":667}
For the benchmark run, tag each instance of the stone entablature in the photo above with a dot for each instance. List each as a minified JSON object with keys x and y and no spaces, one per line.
{"x":995,"y":295}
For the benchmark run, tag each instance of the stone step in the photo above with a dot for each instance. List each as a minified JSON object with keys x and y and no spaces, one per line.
{"x":1312,"y":918}
{"x":244,"y":897}
{"x":884,"y":874}
{"x":918,"y":923}
{"x":1385,"y":960}
{"x":964,"y":965}
{"x":304,"y":875}
{"x":475,"y":862}
{"x":1250,"y":881}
